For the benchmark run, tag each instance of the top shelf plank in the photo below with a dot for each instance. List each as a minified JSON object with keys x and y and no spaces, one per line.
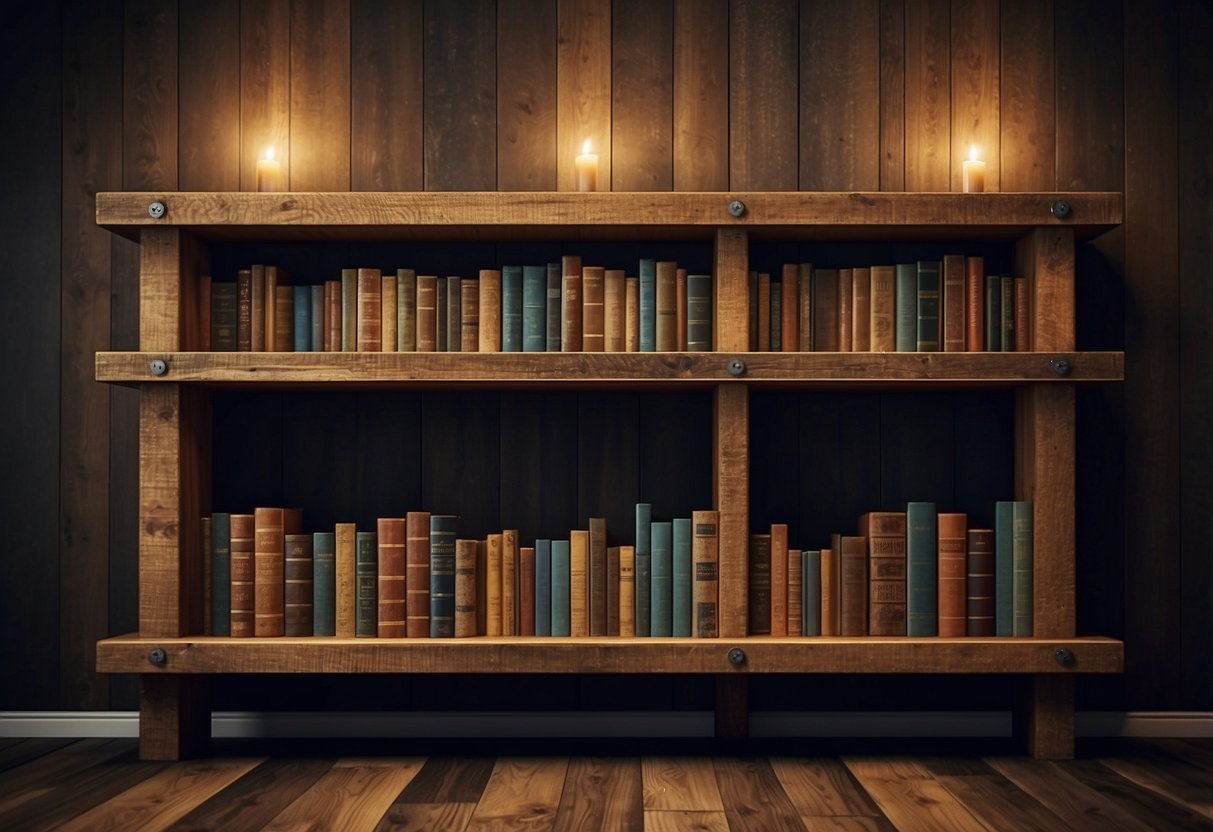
{"x":504,"y":215}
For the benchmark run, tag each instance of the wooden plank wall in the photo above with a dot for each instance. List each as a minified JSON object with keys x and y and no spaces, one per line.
{"x":683,"y":94}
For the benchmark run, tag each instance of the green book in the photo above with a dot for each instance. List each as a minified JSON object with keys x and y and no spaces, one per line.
{"x":662,"y":576}
{"x":543,"y":587}
{"x":406,"y":310}
{"x":554,"y":307}
{"x":810,"y":595}
{"x":1021,"y":556}
{"x":454,"y":314}
{"x":349,"y":310}
{"x":442,"y":575}
{"x":511,"y":308}
{"x":922,"y":569}
{"x":928,"y":306}
{"x":644,"y":564}
{"x":905,"y":307}
{"x":680,"y":610}
{"x":224,"y":319}
{"x":324,"y":582}
{"x":699,"y":313}
{"x":1003,"y":568}
{"x":648,"y":310}
{"x":1006,"y":327}
{"x":366,"y":585}
{"x":561,"y":623}
{"x":221,"y":572}
{"x":993,"y":313}
{"x":303,"y":318}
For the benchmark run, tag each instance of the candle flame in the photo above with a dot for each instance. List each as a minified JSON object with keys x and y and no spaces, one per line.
{"x":973,"y":152}
{"x":269,"y":154}
{"x":585,"y":147}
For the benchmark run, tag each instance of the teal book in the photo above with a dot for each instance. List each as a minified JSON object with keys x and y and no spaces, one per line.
{"x":442,"y":575}
{"x":221,"y":572}
{"x":644,"y":564}
{"x":928,"y":306}
{"x":993,"y":313}
{"x":317,"y":339}
{"x":699,"y":312}
{"x":905,"y":307}
{"x":680,"y":609}
{"x":511,"y":308}
{"x":553,"y":307}
{"x":324,"y":582}
{"x":534,"y":309}
{"x":662,"y":579}
{"x":303,"y":318}
{"x":543,"y":587}
{"x":648,"y":310}
{"x":922,"y":570}
{"x":366,"y":585}
{"x":810,"y":594}
{"x":1004,"y":616}
{"x":1021,"y":556}
{"x":561,"y":623}
{"x":224,"y":317}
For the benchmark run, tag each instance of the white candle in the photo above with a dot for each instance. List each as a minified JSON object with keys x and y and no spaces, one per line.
{"x":269,"y":172}
{"x":973,"y":172}
{"x":587,"y":169}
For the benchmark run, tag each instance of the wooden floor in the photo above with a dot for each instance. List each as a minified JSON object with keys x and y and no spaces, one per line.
{"x":99,"y":784}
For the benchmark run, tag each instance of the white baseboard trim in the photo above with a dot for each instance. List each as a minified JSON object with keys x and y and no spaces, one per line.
{"x":579,"y":724}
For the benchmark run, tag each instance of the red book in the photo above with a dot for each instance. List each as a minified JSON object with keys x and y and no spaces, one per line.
{"x":1023,"y":340}
{"x":953,"y":566}
{"x":955,"y":290}
{"x":244,"y":575}
{"x":417,"y":574}
{"x":392,"y":596}
{"x":779,"y":578}
{"x":975,"y":303}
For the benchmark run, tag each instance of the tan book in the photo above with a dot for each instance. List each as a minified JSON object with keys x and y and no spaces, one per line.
{"x":631,"y":314}
{"x":493,"y":590}
{"x":284,"y":318}
{"x":763,"y":343}
{"x":615,"y":310}
{"x":388,"y":309}
{"x":440,"y":298}
{"x":883,"y":332}
{"x":885,"y":532}
{"x":1023,"y":338}
{"x":593,"y":308}
{"x":571,"y":305}
{"x":853,"y":586}
{"x":510,"y":606}
{"x":779,"y":579}
{"x":298,"y":591}
{"x":627,"y":591}
{"x":829,"y":593}
{"x":598,"y":577}
{"x":705,"y":579}
{"x":667,"y":305}
{"x":804,"y":275}
{"x":953,"y":571}
{"x":789,"y":309}
{"x":392,"y":598}
{"x":795,"y":593}
{"x":271,"y":309}
{"x":454,"y":314}
{"x":975,"y":303}
{"x":243,"y":575}
{"x":270,"y":564}
{"x":427,"y":313}
{"x":406,"y":310}
{"x":612,"y":590}
{"x":258,"y":307}
{"x":345,"y":550}
{"x":489,"y":334}
{"x":465,"y":588}
{"x":417,"y":574}
{"x":332,"y":316}
{"x":370,"y":316}
{"x":579,"y":589}
{"x":846,"y":300}
{"x":469,"y":312}
{"x":861,"y":309}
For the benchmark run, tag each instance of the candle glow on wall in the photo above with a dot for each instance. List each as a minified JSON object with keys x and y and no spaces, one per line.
{"x":973,"y":172}
{"x":269,"y":172}
{"x":587,"y":169}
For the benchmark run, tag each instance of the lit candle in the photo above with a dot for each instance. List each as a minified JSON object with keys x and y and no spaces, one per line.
{"x":973,"y":172}
{"x":587,"y":169}
{"x":269,"y":172}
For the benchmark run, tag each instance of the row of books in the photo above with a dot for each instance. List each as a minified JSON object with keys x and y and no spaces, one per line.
{"x":927,"y":306}
{"x":917,"y":572}
{"x":557,"y":307}
{"x":413,"y":577}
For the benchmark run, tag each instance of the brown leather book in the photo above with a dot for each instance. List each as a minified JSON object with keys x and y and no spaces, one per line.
{"x":270,"y":565}
{"x":257,"y":315}
{"x":861,"y":309}
{"x":579,"y":588}
{"x":627,"y":591}
{"x":666,"y":308}
{"x":955,"y":323}
{"x":593,"y":308}
{"x":953,"y":567}
{"x":417,"y":574}
{"x":612,"y":590}
{"x":885,"y":532}
{"x":975,"y":303}
{"x":427,"y":313}
{"x":615,"y":310}
{"x":440,"y":318}
{"x":510,"y":570}
{"x":392,"y":599}
{"x":244,"y":575}
{"x":829,"y":591}
{"x":795,"y":590}
{"x":345,"y":568}
{"x":271,"y":309}
{"x":846,"y":300}
{"x":631,"y":314}
{"x":388,"y":308}
{"x":466,"y":606}
{"x":489,"y":337}
{"x":570,"y":304}
{"x":825,"y":310}
{"x":763,"y":342}
{"x":884,"y":294}
{"x":1023,"y":335}
{"x":979,"y":583}
{"x":597,"y":577}
{"x":284,"y":318}
{"x":297,"y":606}
{"x":332,"y":316}
{"x":244,"y":310}
{"x":779,"y":579}
{"x":853,"y":589}
{"x":454,"y":314}
{"x":760,"y":585}
{"x":705,"y":578}
{"x":370,"y":314}
{"x":493,"y":591}
{"x":469,"y":311}
{"x":526,"y":590}
{"x":789,"y":309}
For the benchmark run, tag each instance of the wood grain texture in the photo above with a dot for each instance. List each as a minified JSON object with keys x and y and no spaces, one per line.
{"x":823,"y":788}
{"x":730,"y":477}
{"x":449,"y":780}
{"x":48,"y":763}
{"x":422,"y":817}
{"x":701,"y":95}
{"x":998,"y":803}
{"x":892,"y":95}
{"x":526,"y":95}
{"x":149,"y":99}
{"x":461,"y":460}
{"x":601,"y":793}
{"x":352,"y":794}
{"x":538,"y":487}
{"x":386,"y":95}
{"x":682,"y":784}
{"x":752,"y":796}
{"x":1076,"y":803}
{"x":1027,"y":116}
{"x":763,"y":50}
{"x":642,"y":95}
{"x":174,"y":717}
{"x":685,"y":821}
{"x":522,"y":793}
{"x":460,"y":96}
{"x":1089,"y":49}
{"x":257,"y":797}
{"x":840,"y":90}
{"x":730,"y":289}
{"x":1046,"y":259}
{"x":583,"y":88}
{"x":265,"y":85}
{"x":208,"y":93}
{"x":928,"y":113}
{"x":976,"y":89}
{"x":911,"y":798}
{"x":1146,"y":805}
{"x":161,"y":544}
{"x":320,"y":96}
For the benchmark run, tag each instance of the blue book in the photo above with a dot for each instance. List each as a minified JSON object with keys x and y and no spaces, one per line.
{"x":928,"y":306}
{"x":543,"y":587}
{"x":905,"y":307}
{"x":680,"y":609}
{"x":324,"y":582}
{"x":1021,"y":556}
{"x":648,"y":308}
{"x":511,"y":308}
{"x":662,"y":579}
{"x":303,"y":318}
{"x":553,"y":307}
{"x":318,"y":317}
{"x":366,"y":585}
{"x":810,"y":595}
{"x":922,"y":570}
{"x":221,"y":574}
{"x":561,"y":623}
{"x":534,"y":308}
{"x":1004,"y":615}
{"x":644,"y":562}
{"x":442,"y":575}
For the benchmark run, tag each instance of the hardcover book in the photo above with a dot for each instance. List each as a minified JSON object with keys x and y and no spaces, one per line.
{"x":760,"y":585}
{"x":511,"y":308}
{"x":955,"y":323}
{"x":853,"y":590}
{"x":883,"y":309}
{"x":593,"y":308}
{"x":905,"y":307}
{"x":543,"y":587}
{"x":324,"y":583}
{"x":406,"y":310}
{"x":705,"y":550}
{"x":922,"y":556}
{"x":244,"y":310}
{"x":417,"y":574}
{"x":648,"y":307}
{"x":370,"y":314}
{"x":489,"y":335}
{"x":297,"y":611}
{"x":795,"y":621}
{"x":442,"y":576}
{"x":427,"y":313}
{"x":469,"y":315}
{"x":644,"y":563}
{"x":224,"y":317}
{"x":975,"y":303}
{"x":612,"y":591}
{"x":680,"y":605}
{"x":779,"y":579}
{"x":561,"y":580}
{"x":391,"y":585}
{"x":570,"y":304}
{"x":789,"y":308}
{"x":810,"y":593}
{"x":270,"y":565}
{"x":825,"y":310}
{"x":493,"y":620}
{"x":1004,"y":568}
{"x":579,"y":589}
{"x":627,"y":591}
{"x":555,"y":307}
{"x":465,"y":588}
{"x":534,"y":308}
{"x":1021,"y":557}
{"x":388,"y":305}
{"x":366,"y":597}
{"x":980,"y":583}
{"x":666,"y":300}
{"x":846,"y":300}
{"x":804,"y":275}
{"x":244,"y":575}
{"x":830,"y":579}
{"x":953,"y":568}
{"x":454,"y":314}
{"x":221,"y":574}
{"x":258,"y":308}
{"x":526,"y":590}
{"x":615,"y":310}
{"x":662,"y":577}
{"x":345,"y":570}
{"x":886,"y":535}
{"x":597,"y":576}
{"x":928,"y":306}
{"x":699,"y":312}
{"x":349,"y":310}
{"x":509,"y":582}
{"x":861,"y":309}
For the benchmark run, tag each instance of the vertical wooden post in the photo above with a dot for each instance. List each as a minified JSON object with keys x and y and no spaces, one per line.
{"x":732,"y":706}
{"x":174,"y":716}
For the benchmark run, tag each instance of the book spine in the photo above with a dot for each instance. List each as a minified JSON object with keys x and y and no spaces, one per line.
{"x":644,"y":565}
{"x":345,"y":570}
{"x":561,"y":614}
{"x":526,"y":590}
{"x":442,"y":576}
{"x":955,"y":324}
{"x":1004,"y":568}
{"x":661,"y":586}
{"x":593,"y":308}
{"x":627,"y":591}
{"x":224,"y":317}
{"x":666,"y":306}
{"x":511,"y":308}
{"x":760,"y":585}
{"x":846,"y":309}
{"x":490,"y":310}
{"x":543,"y":587}
{"x":922,"y":553}
{"x":615,"y":310}
{"x":804,"y":279}
{"x":829,"y":593}
{"x":332,"y":316}
{"x":648,"y":305}
{"x":270,"y":309}
{"x":905,"y":307}
{"x":534,"y":308}
{"x":302,"y":329}
{"x":597,"y":577}
{"x":284,"y":319}
{"x":392,"y":597}
{"x":612,"y":591}
{"x":493,"y":585}
{"x":825,"y":310}
{"x":795,"y":589}
{"x":257,"y":308}
{"x":579,"y":591}
{"x":1007,"y":308}
{"x":993,"y":313}
{"x":509,"y":583}
{"x":370,"y":316}
{"x":853,"y":590}
{"x":481,"y":588}
{"x":764,"y":312}
{"x":980,"y":583}
{"x":388,"y":308}
{"x":810,"y":593}
{"x":776,"y":329}
{"x":631,"y":314}
{"x":406,"y":310}
{"x":427,"y":313}
{"x":454,"y":314}
{"x":706,"y":588}
{"x":699,"y":313}
{"x":883,"y":315}
{"x":316,"y":315}
{"x":886,"y":535}
{"x":680,"y":308}
{"x":570,"y":305}
{"x":469,"y":311}
{"x":270,"y":563}
{"x":779,"y":579}
{"x":861,"y":309}
{"x":975,"y":303}
{"x":554,"y":306}
{"x":297,"y":606}
{"x":465,"y":588}
{"x":789,"y":308}
{"x":244,"y":310}
{"x":680,"y":589}
{"x":417,"y":574}
{"x":324,"y":577}
{"x":206,"y":547}
{"x":349,"y":310}
{"x":441,"y":343}
{"x":1023,"y":340}
{"x":221,"y":574}
{"x":244,"y":575}
{"x":928,"y":306}
{"x":366,"y":598}
{"x":1021,"y":555}
{"x":953,"y":566}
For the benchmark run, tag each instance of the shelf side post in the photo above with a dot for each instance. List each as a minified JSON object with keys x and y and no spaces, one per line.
{"x":174,"y":716}
{"x":731,"y":288}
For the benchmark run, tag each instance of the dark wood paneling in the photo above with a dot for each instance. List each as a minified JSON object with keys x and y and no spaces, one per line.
{"x":928,"y":111}
{"x":976,"y":77}
{"x":583,"y":87}
{"x":526,"y":95}
{"x":763,"y":55}
{"x":675,"y":473}
{"x":892,"y":95}
{"x":320,"y":95}
{"x":701,"y":95}
{"x":209,"y":96}
{"x":917,"y":450}
{"x":608,"y":461}
{"x":840,"y":95}
{"x":265,"y":85}
{"x":840,"y":464}
{"x":642,"y":95}
{"x":149,"y":96}
{"x":386,"y":46}
{"x":1028,"y":153}
{"x":461,"y":460}
{"x":1090,"y":67}
{"x":538,"y":475}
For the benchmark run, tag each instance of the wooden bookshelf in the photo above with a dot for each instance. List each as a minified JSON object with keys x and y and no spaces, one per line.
{"x":177,"y":237}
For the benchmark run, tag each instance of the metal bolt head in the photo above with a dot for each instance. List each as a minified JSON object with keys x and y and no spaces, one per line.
{"x":737,"y":208}
{"x":156,"y":210}
{"x":157,"y":656}
{"x":158,"y":366}
{"x":736,"y":367}
{"x":737,"y":657}
{"x":1064,"y":656}
{"x":1060,"y":209}
{"x":1059,"y":366}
